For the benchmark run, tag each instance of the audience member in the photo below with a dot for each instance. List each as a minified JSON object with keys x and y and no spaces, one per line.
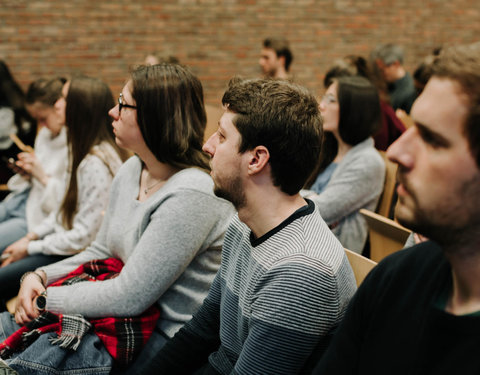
{"x":392,"y":127}
{"x":41,"y":174}
{"x":389,"y":60}
{"x":93,"y":160}
{"x":351,"y":174}
{"x":276,"y":58}
{"x":14,"y":119}
{"x":284,"y":279}
{"x":418,"y":310}
{"x":163,"y":222}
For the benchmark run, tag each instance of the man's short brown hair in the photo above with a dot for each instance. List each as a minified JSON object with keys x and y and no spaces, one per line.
{"x":283,"y":117}
{"x":462,"y":65}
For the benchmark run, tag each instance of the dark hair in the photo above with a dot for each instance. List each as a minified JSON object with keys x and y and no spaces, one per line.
{"x":281,"y":48}
{"x":350,"y":65}
{"x":171,"y":114}
{"x":45,"y":91}
{"x":461,"y":64}
{"x":359,"y":118}
{"x":88,"y":124}
{"x":360,"y":115}
{"x":283,"y":117}
{"x":11,"y":94}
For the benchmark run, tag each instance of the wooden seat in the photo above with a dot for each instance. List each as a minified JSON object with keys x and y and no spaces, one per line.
{"x":386,"y":235}
{"x":361,"y":265}
{"x":384,"y":206}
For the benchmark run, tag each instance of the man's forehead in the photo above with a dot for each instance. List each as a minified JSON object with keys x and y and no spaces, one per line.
{"x":226,"y":121}
{"x":268,"y":52}
{"x":441,"y":107}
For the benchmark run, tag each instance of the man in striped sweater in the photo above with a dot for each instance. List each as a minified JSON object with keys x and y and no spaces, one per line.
{"x":284,"y":281}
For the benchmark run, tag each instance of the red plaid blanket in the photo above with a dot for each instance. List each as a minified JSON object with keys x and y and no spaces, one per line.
{"x":123,"y":337}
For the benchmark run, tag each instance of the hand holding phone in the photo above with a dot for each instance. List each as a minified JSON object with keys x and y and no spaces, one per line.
{"x":12,"y":164}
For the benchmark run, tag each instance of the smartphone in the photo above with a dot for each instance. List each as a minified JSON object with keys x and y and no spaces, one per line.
{"x":9,"y":161}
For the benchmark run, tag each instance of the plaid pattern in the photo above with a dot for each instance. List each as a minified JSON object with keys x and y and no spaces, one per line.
{"x":123,"y":337}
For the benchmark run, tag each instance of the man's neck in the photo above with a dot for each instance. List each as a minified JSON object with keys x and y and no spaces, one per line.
{"x":281,"y":73}
{"x":400,"y":73}
{"x":465,"y":294}
{"x":268,"y":209}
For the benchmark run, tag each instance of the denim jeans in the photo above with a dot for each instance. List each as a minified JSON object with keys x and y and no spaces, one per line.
{"x":13,"y":220}
{"x":43,"y":358}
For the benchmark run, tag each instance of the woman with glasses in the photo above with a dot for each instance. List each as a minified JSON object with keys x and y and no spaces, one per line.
{"x":93,"y":159}
{"x":163,"y":222}
{"x":351,"y":173}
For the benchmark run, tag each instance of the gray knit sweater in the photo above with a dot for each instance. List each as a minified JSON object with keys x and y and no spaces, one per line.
{"x":170,"y":245}
{"x":356,"y":183}
{"x":273,"y":300}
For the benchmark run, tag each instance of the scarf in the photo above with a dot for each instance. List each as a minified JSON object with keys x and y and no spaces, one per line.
{"x":123,"y":338}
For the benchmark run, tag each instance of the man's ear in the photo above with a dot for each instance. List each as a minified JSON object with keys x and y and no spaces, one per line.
{"x":259,"y":158}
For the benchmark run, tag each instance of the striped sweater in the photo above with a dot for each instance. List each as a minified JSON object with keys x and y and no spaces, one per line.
{"x":273,"y":300}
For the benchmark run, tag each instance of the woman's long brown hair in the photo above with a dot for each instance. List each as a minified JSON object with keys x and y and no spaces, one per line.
{"x":88,"y":124}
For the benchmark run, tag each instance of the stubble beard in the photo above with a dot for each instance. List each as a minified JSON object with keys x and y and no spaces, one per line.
{"x":232,"y":191}
{"x":453,"y":223}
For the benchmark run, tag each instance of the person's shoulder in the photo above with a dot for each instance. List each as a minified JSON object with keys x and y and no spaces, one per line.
{"x":306,"y":238}
{"x":364,"y":153}
{"x":423,"y":252}
{"x":416,"y":261}
{"x":193,"y":179}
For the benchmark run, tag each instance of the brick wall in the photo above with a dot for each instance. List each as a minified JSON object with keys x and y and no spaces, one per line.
{"x":219,"y":38}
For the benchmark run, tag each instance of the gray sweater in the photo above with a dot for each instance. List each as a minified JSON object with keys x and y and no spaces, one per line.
{"x":356,"y":183}
{"x":274,"y":299}
{"x":170,"y":245}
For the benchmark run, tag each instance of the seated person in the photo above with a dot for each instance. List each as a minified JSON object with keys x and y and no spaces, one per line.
{"x":93,"y":159}
{"x":41,"y":174}
{"x":352,"y":172}
{"x":14,"y":119}
{"x":418,"y":311}
{"x":391,"y":126}
{"x":284,"y":280}
{"x":163,"y":222}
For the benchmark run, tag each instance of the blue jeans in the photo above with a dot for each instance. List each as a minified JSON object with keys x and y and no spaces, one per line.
{"x":10,"y":275}
{"x":13,"y":220}
{"x":43,"y":358}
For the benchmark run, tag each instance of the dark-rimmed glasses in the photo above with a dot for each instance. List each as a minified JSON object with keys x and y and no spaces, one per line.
{"x":122,"y":104}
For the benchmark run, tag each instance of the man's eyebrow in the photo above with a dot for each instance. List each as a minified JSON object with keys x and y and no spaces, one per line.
{"x":432,"y":135}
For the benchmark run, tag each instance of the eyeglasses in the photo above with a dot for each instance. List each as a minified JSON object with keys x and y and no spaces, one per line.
{"x":329,"y":99}
{"x":122,"y":104}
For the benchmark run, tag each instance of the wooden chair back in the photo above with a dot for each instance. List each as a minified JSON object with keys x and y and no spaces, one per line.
{"x":361,"y":265}
{"x":386,"y":235}
{"x":385,"y":203}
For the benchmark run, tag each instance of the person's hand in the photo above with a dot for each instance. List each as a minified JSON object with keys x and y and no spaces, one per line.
{"x":418,"y":238}
{"x":16,"y":251}
{"x":31,"y":288}
{"x":30,"y":164}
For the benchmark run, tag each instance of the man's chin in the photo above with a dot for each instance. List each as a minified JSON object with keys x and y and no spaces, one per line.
{"x":404,"y":216}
